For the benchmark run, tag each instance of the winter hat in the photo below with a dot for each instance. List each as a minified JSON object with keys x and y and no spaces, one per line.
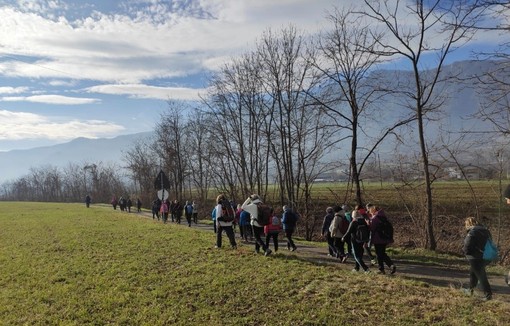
{"x":255,"y":199}
{"x":329,"y":210}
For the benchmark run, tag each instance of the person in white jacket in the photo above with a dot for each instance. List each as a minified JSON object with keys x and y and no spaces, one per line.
{"x":250,"y":206}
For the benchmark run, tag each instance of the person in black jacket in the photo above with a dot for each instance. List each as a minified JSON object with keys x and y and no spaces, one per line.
{"x":474,"y":243}
{"x":357,"y":244}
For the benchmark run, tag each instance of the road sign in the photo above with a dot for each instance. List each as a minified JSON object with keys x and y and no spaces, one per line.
{"x":163,"y":194}
{"x":161,"y":181}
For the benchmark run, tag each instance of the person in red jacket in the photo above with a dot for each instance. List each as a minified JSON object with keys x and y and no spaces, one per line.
{"x":272,"y":230}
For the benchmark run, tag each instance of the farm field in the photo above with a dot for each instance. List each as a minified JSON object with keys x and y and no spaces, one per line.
{"x":69,"y":265}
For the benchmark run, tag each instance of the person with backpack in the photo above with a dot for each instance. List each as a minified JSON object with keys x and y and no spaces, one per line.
{"x":188,"y":212}
{"x":224,"y":218}
{"x":358,"y":229}
{"x":474,"y":244}
{"x":289,"y":221}
{"x":337,"y":229}
{"x":273,"y":230}
{"x":381,"y":236}
{"x":259,"y":217}
{"x":325,"y":233}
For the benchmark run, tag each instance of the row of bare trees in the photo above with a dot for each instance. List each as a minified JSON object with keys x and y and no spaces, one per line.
{"x":69,"y":184}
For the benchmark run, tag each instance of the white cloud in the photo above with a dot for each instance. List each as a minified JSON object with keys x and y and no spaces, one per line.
{"x":24,"y":125}
{"x":139,"y":91}
{"x":51,"y":99}
{"x":13,"y":90}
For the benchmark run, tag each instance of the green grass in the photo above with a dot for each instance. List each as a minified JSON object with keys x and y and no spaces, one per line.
{"x":67,"y":265}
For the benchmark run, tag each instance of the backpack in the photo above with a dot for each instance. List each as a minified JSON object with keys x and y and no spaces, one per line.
{"x":362,"y":233}
{"x":275,"y":221}
{"x":227,"y":213}
{"x":490,"y":251}
{"x":189,"y":209}
{"x":385,"y":229}
{"x":264,"y":215}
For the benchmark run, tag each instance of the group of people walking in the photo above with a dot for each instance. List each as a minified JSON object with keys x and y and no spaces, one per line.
{"x":349,"y":234}
{"x":163,"y":209}
{"x":256,"y":220}
{"x":125,"y":204}
{"x":359,"y":229}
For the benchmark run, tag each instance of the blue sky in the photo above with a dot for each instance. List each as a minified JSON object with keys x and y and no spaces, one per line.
{"x":104,"y":68}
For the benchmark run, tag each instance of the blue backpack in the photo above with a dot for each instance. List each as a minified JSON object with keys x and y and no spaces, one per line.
{"x":490,"y":251}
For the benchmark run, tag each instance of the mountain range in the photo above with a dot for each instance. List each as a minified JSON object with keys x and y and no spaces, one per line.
{"x":16,"y":163}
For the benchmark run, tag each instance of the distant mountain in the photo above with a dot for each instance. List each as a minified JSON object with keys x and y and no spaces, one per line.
{"x":16,"y":163}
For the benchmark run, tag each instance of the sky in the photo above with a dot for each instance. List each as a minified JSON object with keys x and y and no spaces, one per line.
{"x":102,"y":68}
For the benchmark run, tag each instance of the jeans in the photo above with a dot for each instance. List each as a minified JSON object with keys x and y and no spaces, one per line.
{"x":339,"y":246}
{"x":230,"y":234}
{"x":331,"y":244}
{"x":477,"y":275}
{"x":273,"y":235}
{"x":357,"y":251}
{"x":290,"y":242}
{"x":382,"y":257}
{"x":258,"y":232}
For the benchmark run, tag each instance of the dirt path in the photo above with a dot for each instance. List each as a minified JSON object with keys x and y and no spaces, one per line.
{"x":434,"y":274}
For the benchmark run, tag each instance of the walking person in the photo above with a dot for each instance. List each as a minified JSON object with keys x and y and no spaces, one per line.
{"x":251,"y":206}
{"x":156,"y":205}
{"x":347,"y":214}
{"x":367,"y":216}
{"x":195,"y":212}
{"x":224,"y":219}
{"x":188,"y":212}
{"x":176,"y":211}
{"x":358,"y":229}
{"x":138,"y":205}
{"x":163,"y":210}
{"x":326,"y":223}
{"x":474,"y":243}
{"x":337,"y":229}
{"x":506,"y":195}
{"x":88,"y":200}
{"x":273,"y":230}
{"x":244,"y":225}
{"x":114,"y":202}
{"x":289,"y":221}
{"x":380,"y":240}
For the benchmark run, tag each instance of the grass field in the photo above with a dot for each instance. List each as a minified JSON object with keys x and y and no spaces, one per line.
{"x":64,"y":264}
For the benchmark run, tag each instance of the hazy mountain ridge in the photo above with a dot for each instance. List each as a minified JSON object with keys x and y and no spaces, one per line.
{"x":17,"y":163}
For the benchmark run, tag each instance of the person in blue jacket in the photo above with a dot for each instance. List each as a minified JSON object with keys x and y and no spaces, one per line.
{"x":289,"y":221}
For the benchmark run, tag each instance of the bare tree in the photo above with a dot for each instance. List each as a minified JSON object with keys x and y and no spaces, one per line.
{"x":431,"y":27}
{"x":353,"y":94}
{"x":169,"y":145}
